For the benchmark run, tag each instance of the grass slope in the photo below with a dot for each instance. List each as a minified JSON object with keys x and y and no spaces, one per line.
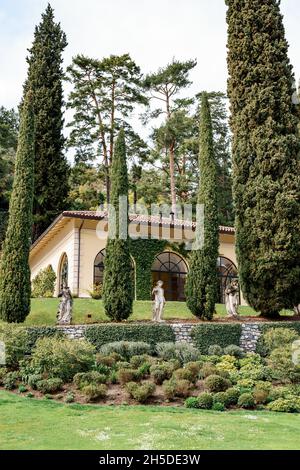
{"x":43,"y":311}
{"x":32,"y":424}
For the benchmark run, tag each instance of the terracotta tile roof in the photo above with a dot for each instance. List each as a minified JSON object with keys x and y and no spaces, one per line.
{"x":142,"y":219}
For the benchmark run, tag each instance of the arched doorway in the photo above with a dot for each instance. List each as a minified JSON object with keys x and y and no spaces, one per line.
{"x":63,"y":271}
{"x":172,"y":269}
{"x":227,"y":272}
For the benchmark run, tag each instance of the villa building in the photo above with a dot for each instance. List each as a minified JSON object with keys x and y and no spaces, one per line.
{"x":74,"y":245}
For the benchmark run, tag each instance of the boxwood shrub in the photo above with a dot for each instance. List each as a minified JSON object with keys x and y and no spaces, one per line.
{"x":224,"y":335}
{"x":99,"y":335}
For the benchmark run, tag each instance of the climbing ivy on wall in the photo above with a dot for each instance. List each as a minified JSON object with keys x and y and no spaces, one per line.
{"x":144,"y":251}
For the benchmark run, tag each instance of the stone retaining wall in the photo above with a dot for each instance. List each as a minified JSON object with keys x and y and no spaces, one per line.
{"x":248,"y":341}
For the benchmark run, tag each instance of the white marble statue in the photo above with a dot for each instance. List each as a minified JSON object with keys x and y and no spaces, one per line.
{"x":159,"y":302}
{"x":232,"y":299}
{"x":297,"y":310}
{"x":64,"y":314}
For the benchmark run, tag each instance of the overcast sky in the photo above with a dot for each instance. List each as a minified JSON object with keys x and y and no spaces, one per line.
{"x":152,"y":31}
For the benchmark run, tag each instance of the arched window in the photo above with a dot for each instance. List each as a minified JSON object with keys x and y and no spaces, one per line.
{"x":172,"y":269}
{"x":99,"y":267}
{"x":63,"y":271}
{"x":228,"y":272}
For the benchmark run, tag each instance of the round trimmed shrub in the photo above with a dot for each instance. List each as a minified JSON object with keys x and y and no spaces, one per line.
{"x":260,"y":396}
{"x":191,"y":402}
{"x":127,"y":375}
{"x":161,"y":372}
{"x":216,"y":383}
{"x":246,"y":400}
{"x":140,"y":392}
{"x":94,"y":391}
{"x":11,"y":380}
{"x":205,"y":401}
{"x":70,"y":398}
{"x":126,"y":349}
{"x":218,"y":406}
{"x":208,"y":369}
{"x":285,"y":405}
{"x":215,"y":350}
{"x":184,"y":352}
{"x":194,"y":367}
{"x":49,"y":385}
{"x":82,"y":379}
{"x":182,"y":388}
{"x":234,"y":350}
{"x":220,"y":397}
{"x":232,"y":396}
{"x":185,"y":374}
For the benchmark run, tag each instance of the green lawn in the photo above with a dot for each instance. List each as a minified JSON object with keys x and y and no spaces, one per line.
{"x":41,"y":424}
{"x":43,"y":311}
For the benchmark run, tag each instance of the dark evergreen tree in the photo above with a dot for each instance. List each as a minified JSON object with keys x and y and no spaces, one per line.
{"x":266,"y":155}
{"x":14,"y":267}
{"x":202,"y":281}
{"x":118,"y":279}
{"x":45,"y":77}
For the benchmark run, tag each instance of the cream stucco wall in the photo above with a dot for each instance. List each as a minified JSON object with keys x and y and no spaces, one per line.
{"x":64,"y":242}
{"x":82,"y":240}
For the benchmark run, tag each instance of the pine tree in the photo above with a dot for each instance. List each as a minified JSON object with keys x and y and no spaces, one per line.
{"x":118,"y":279}
{"x":14,"y":268}
{"x":45,"y":77}
{"x":266,"y":155}
{"x":202,"y":282}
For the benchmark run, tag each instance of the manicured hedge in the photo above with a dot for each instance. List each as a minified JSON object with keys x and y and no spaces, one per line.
{"x":264,"y":327}
{"x":152,"y":334}
{"x":222,"y":334}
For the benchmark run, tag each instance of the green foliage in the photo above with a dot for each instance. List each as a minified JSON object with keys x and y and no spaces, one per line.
{"x":222,"y":334}
{"x":202,"y":284}
{"x":142,"y":392}
{"x":288,"y":405}
{"x":118,"y":289}
{"x":45,"y":77}
{"x":205,"y":401}
{"x":161,"y":372}
{"x":33,"y":379}
{"x":208,"y":369}
{"x":104,"y":95}
{"x":191,"y":402}
{"x":70,"y":398}
{"x":15,"y":339}
{"x":94,"y":392}
{"x":11,"y":380}
{"x":44,"y":283}
{"x":215,"y":350}
{"x":216,"y":383}
{"x":97,"y":292}
{"x":36,"y":332}
{"x":279,"y":337}
{"x":266,"y":156}
{"x":185,"y":374}
{"x":233,"y":350}
{"x":217,"y":406}
{"x":15,"y":288}
{"x":261,"y":347}
{"x":231,"y":396}
{"x":82,"y":379}
{"x":184,"y":352}
{"x":62,"y":358}
{"x":127,"y":375}
{"x":246,"y":400}
{"x":22,"y":389}
{"x":99,"y":335}
{"x":49,"y":385}
{"x":280,"y":360}
{"x":126,"y":349}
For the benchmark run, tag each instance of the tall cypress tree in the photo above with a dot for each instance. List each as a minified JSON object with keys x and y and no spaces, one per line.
{"x":202,"y":281}
{"x":45,"y":76}
{"x":266,"y":155}
{"x":14,"y":267}
{"x":118,"y":279}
